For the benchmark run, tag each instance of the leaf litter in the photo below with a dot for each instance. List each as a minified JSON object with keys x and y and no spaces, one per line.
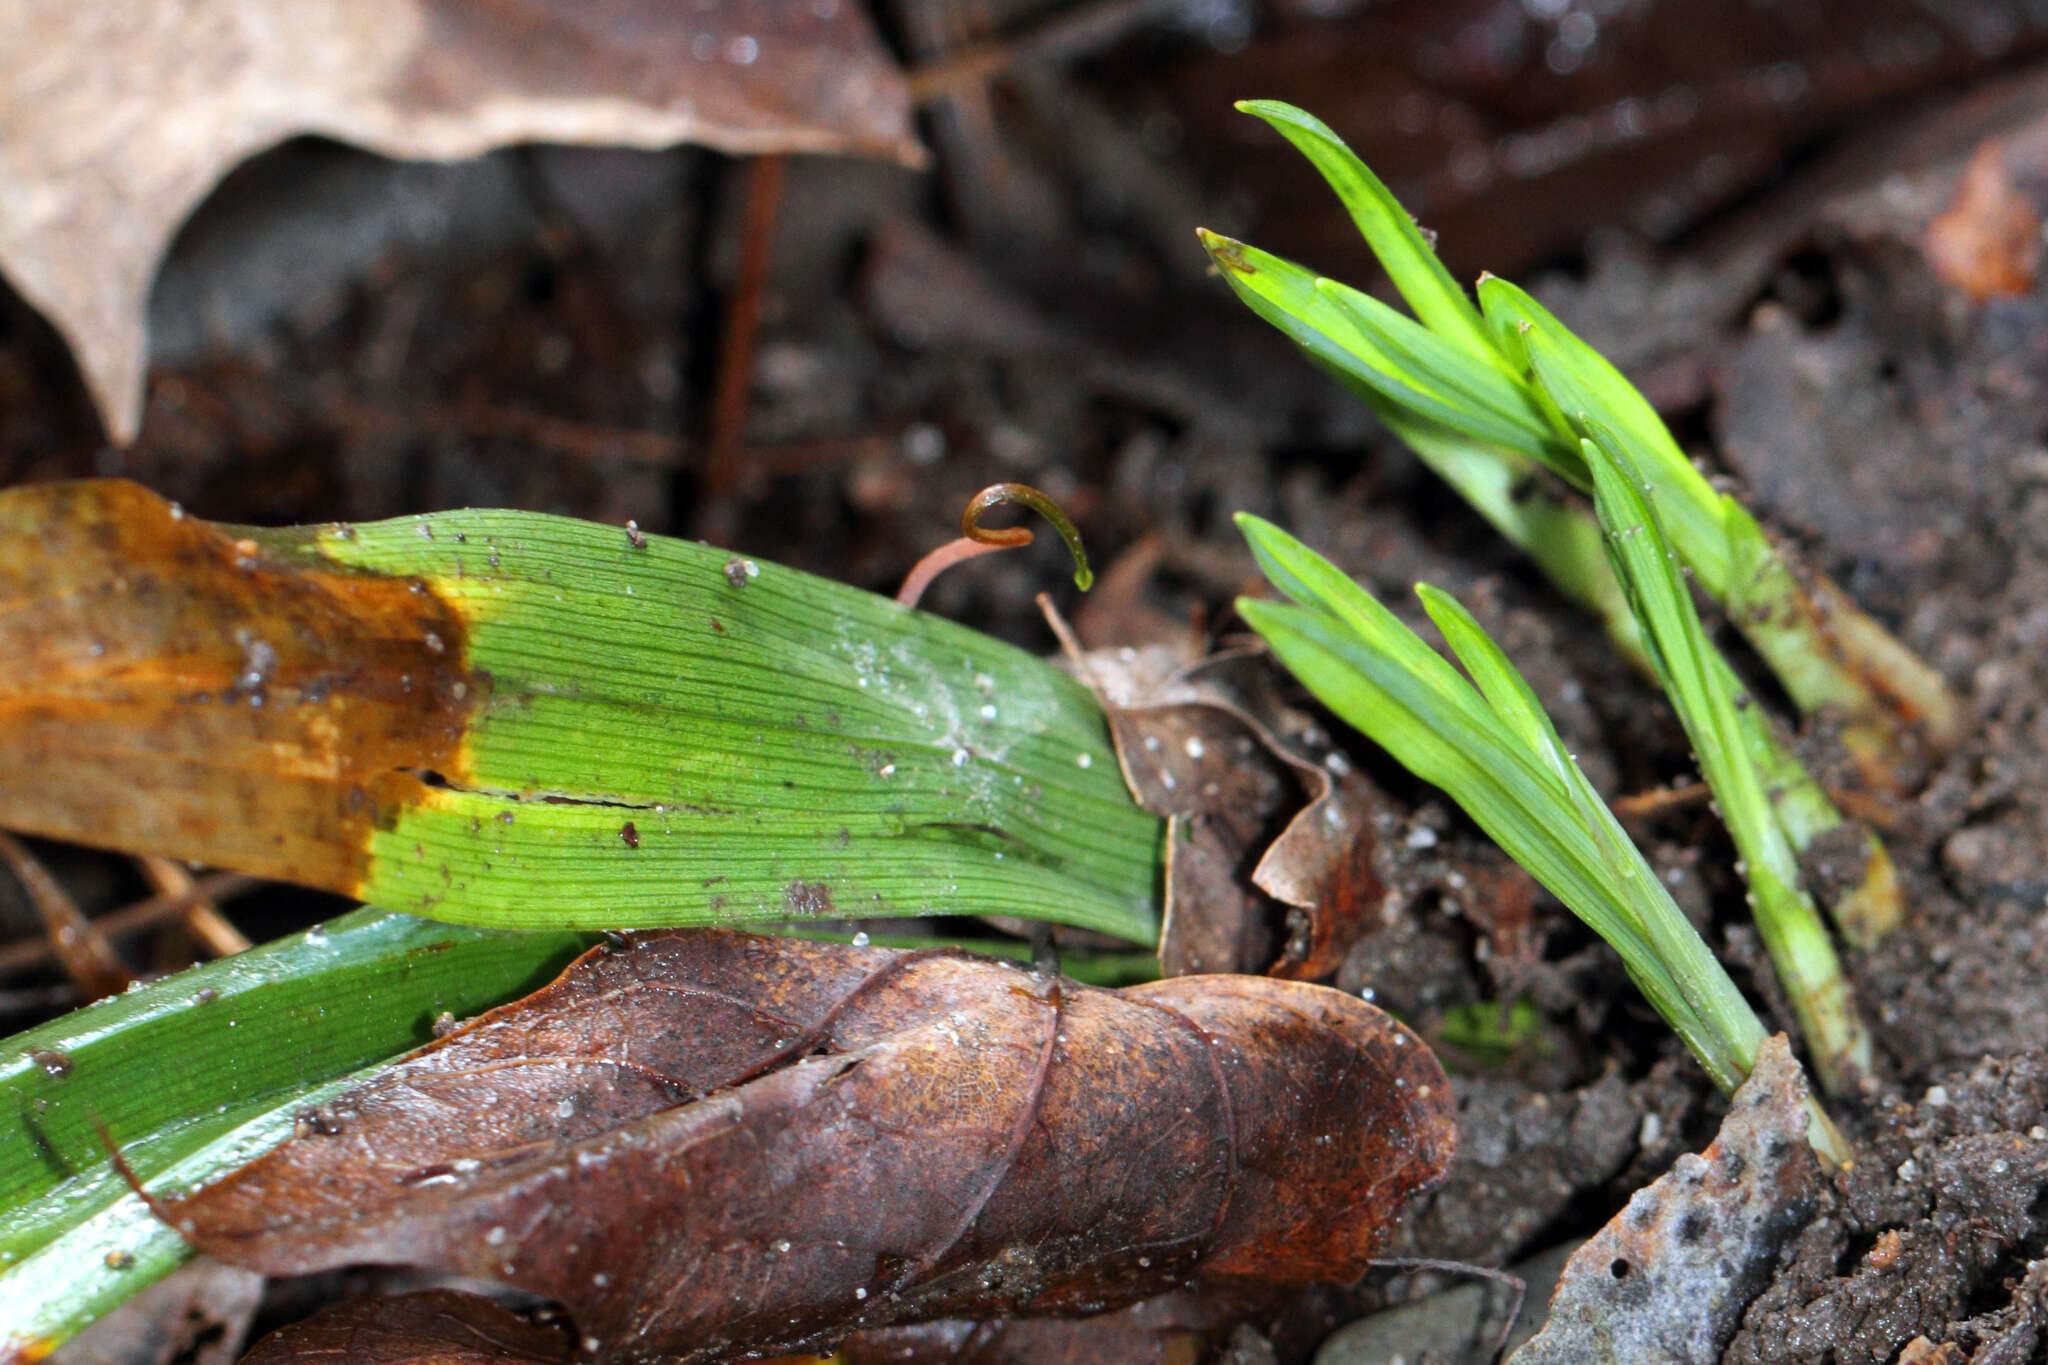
{"x":713,"y":1141}
{"x":112,"y":131}
{"x":1275,"y":861}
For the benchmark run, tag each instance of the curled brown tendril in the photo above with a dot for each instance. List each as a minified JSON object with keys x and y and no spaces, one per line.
{"x":976,"y":539}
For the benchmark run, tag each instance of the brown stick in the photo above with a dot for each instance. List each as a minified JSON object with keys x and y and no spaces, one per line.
{"x":1077,"y":33}
{"x":578,"y":440}
{"x":742,"y":322}
{"x":1638,"y":805}
{"x":203,"y":919}
{"x":77,"y":944}
{"x":216,"y":887}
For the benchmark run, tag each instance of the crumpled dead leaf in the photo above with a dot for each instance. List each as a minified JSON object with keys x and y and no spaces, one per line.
{"x":717,"y":1141}
{"x":1210,"y":745}
{"x":116,"y":121}
{"x":1670,"y":1276}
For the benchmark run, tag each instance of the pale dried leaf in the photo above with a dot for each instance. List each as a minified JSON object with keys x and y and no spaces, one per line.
{"x":115,"y":121}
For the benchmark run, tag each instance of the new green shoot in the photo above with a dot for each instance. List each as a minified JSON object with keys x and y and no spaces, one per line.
{"x":1496,"y":753}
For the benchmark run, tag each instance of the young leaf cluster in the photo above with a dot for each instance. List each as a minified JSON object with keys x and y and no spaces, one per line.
{"x":1511,"y":380}
{"x":1488,"y":743}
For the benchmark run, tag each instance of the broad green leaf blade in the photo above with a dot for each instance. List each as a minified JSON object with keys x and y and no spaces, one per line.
{"x":1410,"y":261}
{"x":525,"y":721}
{"x":177,"y":1065}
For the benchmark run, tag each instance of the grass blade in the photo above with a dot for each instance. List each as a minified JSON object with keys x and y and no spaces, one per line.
{"x":1821,"y":646}
{"x":175,"y":1068}
{"x":1827,"y":652}
{"x":1410,"y":261}
{"x":1585,"y":386}
{"x":1484,"y":402}
{"x":1498,"y":756}
{"x":1373,"y":671}
{"x":1786,"y":917}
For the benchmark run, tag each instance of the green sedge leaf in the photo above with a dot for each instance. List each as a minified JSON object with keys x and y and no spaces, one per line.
{"x":1408,"y":258}
{"x":1506,"y":691}
{"x":1697,"y":683}
{"x":525,"y":721}
{"x":173,"y":1068}
{"x":1292,"y":300}
{"x":1478,"y":763}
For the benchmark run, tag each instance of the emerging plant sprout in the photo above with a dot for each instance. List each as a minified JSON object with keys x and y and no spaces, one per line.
{"x":1496,"y":753}
{"x":1494,"y":398}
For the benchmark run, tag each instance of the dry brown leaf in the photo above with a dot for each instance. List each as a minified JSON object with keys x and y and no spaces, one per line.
{"x":1239,"y":774}
{"x":717,"y":1141}
{"x":1987,"y":242}
{"x":116,"y":120}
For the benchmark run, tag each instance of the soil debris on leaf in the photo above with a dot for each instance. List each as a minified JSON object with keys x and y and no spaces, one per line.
{"x":832,"y":1138}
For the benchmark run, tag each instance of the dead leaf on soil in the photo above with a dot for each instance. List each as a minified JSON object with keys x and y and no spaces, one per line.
{"x":1670,"y":1276}
{"x":435,"y":1327}
{"x":716,"y":1141}
{"x":116,"y":121}
{"x":1210,"y":745}
{"x":1987,"y":242}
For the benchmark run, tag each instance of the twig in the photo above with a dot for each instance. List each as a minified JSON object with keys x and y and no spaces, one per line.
{"x":579,"y":440}
{"x":203,"y":919}
{"x":216,"y":887}
{"x":77,"y":944}
{"x":1641,"y":805}
{"x":1517,"y":1287}
{"x":742,"y":322}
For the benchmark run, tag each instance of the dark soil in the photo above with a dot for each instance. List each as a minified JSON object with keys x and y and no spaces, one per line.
{"x":1037,"y":310}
